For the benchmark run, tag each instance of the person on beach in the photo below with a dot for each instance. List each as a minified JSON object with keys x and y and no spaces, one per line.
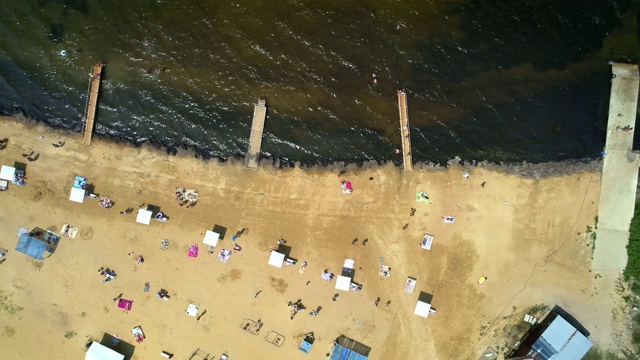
{"x":377,"y":301}
{"x":3,"y":253}
{"x":387,"y":304}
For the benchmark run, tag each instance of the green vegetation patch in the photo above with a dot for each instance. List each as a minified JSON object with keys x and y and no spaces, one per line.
{"x":632,"y":271}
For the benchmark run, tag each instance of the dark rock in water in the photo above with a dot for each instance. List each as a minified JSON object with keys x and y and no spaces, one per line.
{"x":56,"y":32}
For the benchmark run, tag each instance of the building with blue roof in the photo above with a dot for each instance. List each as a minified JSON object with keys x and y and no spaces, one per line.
{"x":555,"y":338}
{"x":349,"y":349}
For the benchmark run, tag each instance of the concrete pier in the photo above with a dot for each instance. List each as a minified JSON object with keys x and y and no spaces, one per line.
{"x":407,"y":161}
{"x":255,"y":140}
{"x":92,"y":103}
{"x":619,"y":173}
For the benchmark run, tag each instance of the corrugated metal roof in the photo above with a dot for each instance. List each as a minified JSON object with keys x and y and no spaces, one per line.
{"x":349,"y":349}
{"x":542,"y":347}
{"x":342,"y":353}
{"x":575,"y":349}
{"x":558,"y":333}
{"x":561,"y":341}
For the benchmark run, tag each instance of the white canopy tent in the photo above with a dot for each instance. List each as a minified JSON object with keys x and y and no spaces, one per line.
{"x":343,"y":283}
{"x":348,"y":263}
{"x":422,"y":309}
{"x":211,"y":238}
{"x":144,"y":216}
{"x":77,"y":195}
{"x":98,"y":351}
{"x":192,"y":310}
{"x":7,"y":173}
{"x":276,"y":259}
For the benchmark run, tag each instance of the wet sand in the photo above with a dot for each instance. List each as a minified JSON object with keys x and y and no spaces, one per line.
{"x":526,"y":236}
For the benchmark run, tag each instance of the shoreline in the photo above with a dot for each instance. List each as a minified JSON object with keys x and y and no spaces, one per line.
{"x":524,"y":169}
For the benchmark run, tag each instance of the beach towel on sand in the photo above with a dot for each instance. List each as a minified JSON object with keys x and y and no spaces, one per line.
{"x":138,"y":334}
{"x":125,"y":304}
{"x":68,"y":230}
{"x":422,"y":197}
{"x":224,"y":255}
{"x":193,"y":251}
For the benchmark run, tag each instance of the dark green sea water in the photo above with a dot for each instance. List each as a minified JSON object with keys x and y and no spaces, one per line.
{"x":487,"y":79}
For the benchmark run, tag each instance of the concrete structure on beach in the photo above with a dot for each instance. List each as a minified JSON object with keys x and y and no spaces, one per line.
{"x":619,"y":172}
{"x":255,"y":140}
{"x":407,"y":161}
{"x":92,"y":103}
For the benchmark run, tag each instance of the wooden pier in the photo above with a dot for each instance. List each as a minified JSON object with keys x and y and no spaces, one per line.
{"x":404,"y":130}
{"x":92,"y":103}
{"x":255,"y":140}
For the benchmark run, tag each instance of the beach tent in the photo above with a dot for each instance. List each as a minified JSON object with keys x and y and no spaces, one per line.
{"x":78,"y":189}
{"x":7,"y":173}
{"x":276,"y":259}
{"x":98,"y":351}
{"x":343,"y":283}
{"x":422,"y":309}
{"x":348,"y":264}
{"x":77,"y":195}
{"x":144,"y":216}
{"x":22,"y":231}
{"x":211,"y":238}
{"x":36,"y":242}
{"x":307,"y":343}
{"x":192,"y":310}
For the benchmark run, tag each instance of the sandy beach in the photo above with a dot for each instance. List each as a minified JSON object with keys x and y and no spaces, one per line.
{"x":528,"y":237}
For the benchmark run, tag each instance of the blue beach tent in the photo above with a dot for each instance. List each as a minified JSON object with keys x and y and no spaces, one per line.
{"x":307,"y":343}
{"x":36,"y":242}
